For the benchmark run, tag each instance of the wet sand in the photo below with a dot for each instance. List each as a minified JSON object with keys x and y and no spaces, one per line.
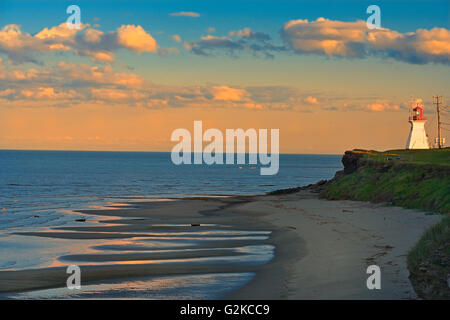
{"x":196,"y":236}
{"x":322,"y":248}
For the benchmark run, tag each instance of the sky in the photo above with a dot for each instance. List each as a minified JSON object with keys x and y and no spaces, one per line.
{"x":137,"y":70}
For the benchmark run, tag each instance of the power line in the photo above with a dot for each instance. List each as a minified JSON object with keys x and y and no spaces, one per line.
{"x":437,"y":103}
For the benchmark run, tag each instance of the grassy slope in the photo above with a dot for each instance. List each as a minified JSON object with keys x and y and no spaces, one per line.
{"x":429,"y":262}
{"x":416,"y":179}
{"x":422,"y":183}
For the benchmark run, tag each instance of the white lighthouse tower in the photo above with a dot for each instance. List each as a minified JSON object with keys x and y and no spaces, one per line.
{"x":418,"y":138}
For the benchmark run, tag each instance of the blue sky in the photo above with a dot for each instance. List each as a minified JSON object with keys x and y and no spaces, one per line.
{"x":224,"y":14}
{"x":334,"y":67}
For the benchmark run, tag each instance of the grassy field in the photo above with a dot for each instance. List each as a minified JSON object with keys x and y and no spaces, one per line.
{"x":435,"y":157}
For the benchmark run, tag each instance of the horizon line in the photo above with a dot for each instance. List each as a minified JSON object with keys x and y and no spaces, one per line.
{"x":142,"y":151}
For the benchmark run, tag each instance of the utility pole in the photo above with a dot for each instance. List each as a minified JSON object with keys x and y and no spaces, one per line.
{"x":437,"y":103}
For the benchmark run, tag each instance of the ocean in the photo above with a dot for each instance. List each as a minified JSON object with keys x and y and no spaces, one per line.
{"x":40,"y":191}
{"x":41,"y":188}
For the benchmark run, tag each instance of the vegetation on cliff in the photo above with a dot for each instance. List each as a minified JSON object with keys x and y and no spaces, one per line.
{"x":416,"y":179}
{"x":429,"y":262}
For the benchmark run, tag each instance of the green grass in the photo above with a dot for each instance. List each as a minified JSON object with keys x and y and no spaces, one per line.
{"x":414,"y":188}
{"x":429,"y":262}
{"x":415,"y":179}
{"x":438,"y":236}
{"x":435,"y":157}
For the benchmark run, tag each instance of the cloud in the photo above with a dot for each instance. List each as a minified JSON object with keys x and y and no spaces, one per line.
{"x":7,"y":92}
{"x":110,"y":94}
{"x":66,"y":84}
{"x":60,"y":32}
{"x":185,"y":14}
{"x":20,"y":47}
{"x":69,"y":85}
{"x":226,"y":93}
{"x":249,"y":34}
{"x":311,"y":100}
{"x":176,"y":38}
{"x":135,"y":38}
{"x":48,"y":93}
{"x":100,"y":56}
{"x":168,"y":51}
{"x":355,"y":40}
{"x":420,"y":47}
{"x":255,"y":43}
{"x":332,"y":38}
{"x":17,"y":45}
{"x":382,"y":105}
{"x":93,"y":35}
{"x":95,"y":75}
{"x":325,"y":36}
{"x":369,"y":104}
{"x":208,"y":44}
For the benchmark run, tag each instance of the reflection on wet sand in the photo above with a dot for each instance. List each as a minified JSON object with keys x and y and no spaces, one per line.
{"x":178,"y":240}
{"x":206,"y":286}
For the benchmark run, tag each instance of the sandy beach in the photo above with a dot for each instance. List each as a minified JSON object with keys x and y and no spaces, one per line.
{"x":321,"y":248}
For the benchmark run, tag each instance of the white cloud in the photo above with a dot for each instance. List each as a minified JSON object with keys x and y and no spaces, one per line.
{"x":354,"y":39}
{"x":189,"y":14}
{"x":136,"y":38}
{"x":21,"y":47}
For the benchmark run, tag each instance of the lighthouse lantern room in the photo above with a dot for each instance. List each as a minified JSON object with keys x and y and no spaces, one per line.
{"x":418,"y":139}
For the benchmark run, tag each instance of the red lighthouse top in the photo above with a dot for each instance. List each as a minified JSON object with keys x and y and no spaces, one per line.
{"x":418,"y":113}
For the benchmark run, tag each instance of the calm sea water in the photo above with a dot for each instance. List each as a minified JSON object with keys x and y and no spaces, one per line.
{"x":40,"y":187}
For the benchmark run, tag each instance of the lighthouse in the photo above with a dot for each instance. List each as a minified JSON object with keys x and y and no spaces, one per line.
{"x":418,"y":138}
